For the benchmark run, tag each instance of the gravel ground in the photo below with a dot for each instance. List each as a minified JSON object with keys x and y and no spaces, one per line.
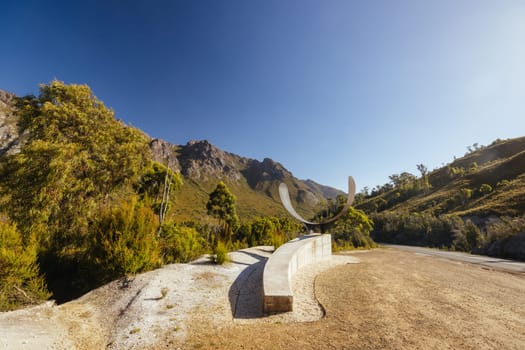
{"x":380,"y":299}
{"x":396,"y":300}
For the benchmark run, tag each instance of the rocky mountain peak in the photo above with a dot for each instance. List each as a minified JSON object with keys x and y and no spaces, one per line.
{"x":200,"y":159}
{"x":271,"y":170}
{"x":165,"y":153}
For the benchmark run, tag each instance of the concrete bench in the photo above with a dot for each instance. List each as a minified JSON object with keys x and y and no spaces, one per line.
{"x":283,"y":264}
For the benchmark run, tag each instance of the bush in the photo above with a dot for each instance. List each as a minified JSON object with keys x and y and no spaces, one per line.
{"x":180,"y":244}
{"x":20,"y":280}
{"x":472,"y":235}
{"x":353,"y":230}
{"x":268,"y":231}
{"x":220,"y":254}
{"x":124,"y":241}
{"x":416,"y":229}
{"x":485,"y":189}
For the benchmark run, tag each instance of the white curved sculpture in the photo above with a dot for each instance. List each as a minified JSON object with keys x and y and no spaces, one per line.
{"x":285,"y":199}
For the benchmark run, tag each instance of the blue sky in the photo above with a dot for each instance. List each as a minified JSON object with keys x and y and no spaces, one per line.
{"x":327,"y":88}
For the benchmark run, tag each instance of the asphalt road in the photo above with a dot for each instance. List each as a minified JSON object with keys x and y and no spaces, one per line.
{"x":495,"y":263}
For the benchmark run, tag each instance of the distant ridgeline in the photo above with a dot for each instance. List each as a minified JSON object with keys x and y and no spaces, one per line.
{"x":86,"y":199}
{"x":476,"y":203}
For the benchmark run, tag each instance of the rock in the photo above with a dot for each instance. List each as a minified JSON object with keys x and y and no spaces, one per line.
{"x":165,"y":153}
{"x":11,"y":139}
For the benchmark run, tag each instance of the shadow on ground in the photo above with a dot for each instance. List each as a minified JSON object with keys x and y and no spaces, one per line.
{"x":246,"y":292}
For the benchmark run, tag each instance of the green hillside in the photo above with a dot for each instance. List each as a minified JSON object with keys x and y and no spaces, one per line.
{"x":485,"y":188}
{"x":461,"y":186}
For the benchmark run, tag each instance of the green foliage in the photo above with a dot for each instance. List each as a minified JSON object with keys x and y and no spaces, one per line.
{"x":124,"y":241}
{"x":20,"y":280}
{"x":454,"y":172}
{"x":153,"y":180}
{"x":503,"y":183}
{"x":76,"y":155}
{"x":72,"y":188}
{"x":353,"y":230}
{"x":220,"y":253}
{"x":472,"y":235}
{"x":465,"y":194}
{"x":268,"y":231}
{"x":504,"y":228}
{"x":180,"y":244}
{"x":505,"y":238}
{"x":221,"y":205}
{"x":415,"y":228}
{"x":485,"y":189}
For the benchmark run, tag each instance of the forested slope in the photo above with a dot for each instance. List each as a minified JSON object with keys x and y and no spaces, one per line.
{"x":475,"y":203}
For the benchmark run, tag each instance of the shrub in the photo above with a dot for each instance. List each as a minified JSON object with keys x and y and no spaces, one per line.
{"x":20,"y":280}
{"x":124,"y":241}
{"x":503,"y":183}
{"x":277,"y":239}
{"x":353,"y":229}
{"x":460,"y":242}
{"x":472,"y":235}
{"x":180,"y":244}
{"x":485,"y":189}
{"x":220,"y":253}
{"x":415,"y":228}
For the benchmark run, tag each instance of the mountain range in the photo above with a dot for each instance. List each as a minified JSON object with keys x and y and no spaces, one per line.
{"x":201,"y":164}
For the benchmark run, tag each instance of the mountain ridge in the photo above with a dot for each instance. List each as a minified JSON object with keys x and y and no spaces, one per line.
{"x":487,"y":181}
{"x":202,"y":165}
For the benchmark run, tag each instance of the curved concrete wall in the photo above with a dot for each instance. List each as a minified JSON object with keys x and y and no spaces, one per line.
{"x":283,"y":264}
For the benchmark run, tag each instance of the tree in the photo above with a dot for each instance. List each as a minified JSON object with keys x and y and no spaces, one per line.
{"x":155,"y":185}
{"x":221,"y":205}
{"x":77,"y":159}
{"x":77,"y":155}
{"x":403,"y":180}
{"x":422,"y":169}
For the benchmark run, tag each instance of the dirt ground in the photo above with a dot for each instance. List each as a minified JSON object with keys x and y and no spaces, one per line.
{"x":395,"y":300}
{"x":379,"y":299}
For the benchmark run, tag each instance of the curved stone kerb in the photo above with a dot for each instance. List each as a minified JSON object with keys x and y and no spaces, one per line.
{"x":282,"y":265}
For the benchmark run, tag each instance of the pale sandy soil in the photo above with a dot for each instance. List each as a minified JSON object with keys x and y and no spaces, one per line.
{"x":390,"y":300}
{"x":163,"y":308}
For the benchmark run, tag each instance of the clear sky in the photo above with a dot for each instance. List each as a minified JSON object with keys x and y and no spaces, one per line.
{"x":327,"y":88}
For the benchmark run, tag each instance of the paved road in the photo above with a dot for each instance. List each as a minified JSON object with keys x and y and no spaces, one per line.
{"x":496,"y":263}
